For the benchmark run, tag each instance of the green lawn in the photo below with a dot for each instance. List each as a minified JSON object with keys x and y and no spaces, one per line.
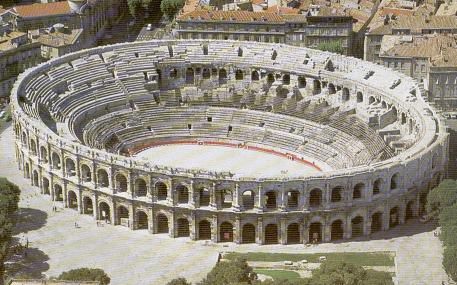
{"x":358,"y":258}
{"x":279,"y":274}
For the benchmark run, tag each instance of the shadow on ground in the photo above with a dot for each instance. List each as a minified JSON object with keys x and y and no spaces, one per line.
{"x":29,"y":220}
{"x":28,"y":263}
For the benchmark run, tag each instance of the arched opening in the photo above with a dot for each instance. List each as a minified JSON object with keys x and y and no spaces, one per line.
{"x":293,"y":198}
{"x":44,"y":154}
{"x":239,"y":74}
{"x":403,"y":118}
{"x":345,"y":94}
{"x":274,"y":55}
{"x":35,"y":178}
{"x":141,"y":188}
{"x":173,"y":73}
{"x":376,"y":222}
{"x":301,"y":82}
{"x":102,"y":178}
{"x":248,"y":234}
{"x":70,"y":168}
{"x":286,"y":79}
{"x":226,"y":232}
{"x":183,"y":194}
{"x":205,"y":49}
{"x":240,"y":51}
{"x":162,"y":224}
{"x":357,"y":226}
{"x":226,"y":198}
{"x":255,"y":75}
{"x":331,"y":88}
{"x":72,"y":200}
{"x":222,"y":76}
{"x":394,"y":182}
{"x":85,"y":173}
{"x":27,"y":171}
{"x":359,"y":188}
{"x":206,"y":74}
{"x":204,"y":230}
{"x":293,"y":234}
{"x":183,"y":227}
{"x":271,"y":234}
{"x":434,"y":160}
{"x":204,"y":197}
{"x":122,"y":216}
{"x":104,"y":212}
{"x":58,"y":193}
{"x":121,"y":182}
{"x":384,"y":104}
{"x":88,"y":208}
{"x":270,"y":78}
{"x":337,"y":230}
{"x":45,"y":186}
{"x":409,"y":214}
{"x":377,"y":186}
{"x":315,"y":197}
{"x":337,"y":194}
{"x":142,"y":220}
{"x":315,"y":232}
{"x":33,"y":147}
{"x":371,"y":100}
{"x":359,"y":97}
{"x":394,"y":112}
{"x":270,"y":202}
{"x":162,"y":191}
{"x":411,"y":125}
{"x":247,"y":199}
{"x":316,"y":87}
{"x":393,"y":217}
{"x":189,"y":75}
{"x":55,"y":161}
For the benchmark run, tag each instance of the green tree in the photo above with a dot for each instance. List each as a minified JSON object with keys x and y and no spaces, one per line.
{"x":332,"y":46}
{"x":85,"y":274}
{"x":171,"y":7}
{"x":9,"y":199}
{"x":442,"y":196}
{"x":136,"y":8}
{"x":230,"y":272}
{"x":450,"y":261}
{"x":179,"y":281}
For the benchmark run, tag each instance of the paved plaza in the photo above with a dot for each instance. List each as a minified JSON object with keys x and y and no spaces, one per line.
{"x":137,"y":257}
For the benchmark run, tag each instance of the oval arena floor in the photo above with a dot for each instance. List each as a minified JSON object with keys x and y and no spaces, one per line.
{"x":239,"y":161}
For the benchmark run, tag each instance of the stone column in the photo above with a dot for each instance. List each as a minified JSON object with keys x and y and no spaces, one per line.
{"x":259,"y":204}
{"x":236,"y":198}
{"x":171,"y":224}
{"x":191,"y":194}
{"x":132,"y":217}
{"x":214,"y":229}
{"x":327,"y":197}
{"x":237,"y":231}
{"x":95,"y":207}
{"x":212,"y":195}
{"x":283,"y":230}
{"x":260,"y":238}
{"x":193,"y":226}
{"x":65,"y":194}
{"x":171,"y":196}
{"x":80,"y":201}
{"x":113,"y":213}
{"x":348,"y":227}
{"x":386,"y":218}
{"x":402,"y":213}
{"x":282,"y":204}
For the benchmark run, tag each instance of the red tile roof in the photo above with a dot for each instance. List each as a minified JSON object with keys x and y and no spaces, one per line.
{"x":231,"y":16}
{"x":42,"y":9}
{"x":282,"y":10}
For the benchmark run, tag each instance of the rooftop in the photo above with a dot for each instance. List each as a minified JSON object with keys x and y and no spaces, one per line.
{"x":7,"y":41}
{"x":42,"y":9}
{"x":56,"y":38}
{"x":230,"y":16}
{"x":416,"y":24}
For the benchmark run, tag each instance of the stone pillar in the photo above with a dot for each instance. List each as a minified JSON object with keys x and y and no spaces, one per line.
{"x":95,"y":207}
{"x":386,"y":218}
{"x":367,"y":224}
{"x":259,"y":204}
{"x":348,"y":227}
{"x":402,"y":213}
{"x":236,"y":198}
{"x":327,"y":197}
{"x":283,"y":230}
{"x":113,"y":213}
{"x":212,"y":196}
{"x":193,"y":226}
{"x":65,"y":194}
{"x":191,"y":194}
{"x":132,"y":217}
{"x":80,"y":201}
{"x":171,"y":196}
{"x":171,"y":224}
{"x":260,"y":238}
{"x":130,"y":186}
{"x":282,"y":203}
{"x":304,"y":200}
{"x":51,"y":186}
{"x":215,"y":229}
{"x":237,"y":231}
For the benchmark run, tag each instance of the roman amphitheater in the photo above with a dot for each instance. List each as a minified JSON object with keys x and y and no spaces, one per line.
{"x":229,"y":141}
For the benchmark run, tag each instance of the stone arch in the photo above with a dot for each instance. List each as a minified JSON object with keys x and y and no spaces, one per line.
{"x":271,"y":234}
{"x":45,"y":185}
{"x":33,"y":147}
{"x":337,"y":230}
{"x":239,"y":74}
{"x":293,"y":233}
{"x":70,"y":167}
{"x":190,"y":75}
{"x":358,"y":191}
{"x":122,"y":214}
{"x":102,"y":178}
{"x":35,"y":178}
{"x":377,"y":186}
{"x":371,"y":100}
{"x":44,"y":154}
{"x":206,"y":73}
{"x":286,"y":79}
{"x":222,"y":76}
{"x":301,"y":82}
{"x":27,"y":170}
{"x":376,"y":222}
{"x":293,"y":198}
{"x":183,"y":227}
{"x":226,"y":232}
{"x":248,"y":233}
{"x":104,"y":211}
{"x":240,"y":51}
{"x":337,"y":194}
{"x":162,"y":224}
{"x":204,"y":230}
{"x":58,"y":192}
{"x":183,"y":194}
{"x":317,"y":89}
{"x":247,"y":199}
{"x":24,"y":139}
{"x":403,"y":118}
{"x":270,"y":202}
{"x":384,"y":104}
{"x":270,"y":78}
{"x":86,"y":175}
{"x":394,"y":112}
{"x":161,"y":190}
{"x":72,"y":199}
{"x":359,"y":97}
{"x":357,"y":226}
{"x":142,"y":220}
{"x":88,"y":207}
{"x":315,"y":232}
{"x":331,"y":88}
{"x":394,"y":217}
{"x":121,"y":182}
{"x":141,"y":188}
{"x":226,"y":198}
{"x":394,"y":181}
{"x":274,"y":55}
{"x":204,"y":197}
{"x":255,"y":75}
{"x":55,"y":161}
{"x":345,"y":94}
{"x":315,"y":197}
{"x":173,"y":73}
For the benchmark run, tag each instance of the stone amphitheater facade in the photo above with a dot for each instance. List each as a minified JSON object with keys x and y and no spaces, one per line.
{"x":80,"y":119}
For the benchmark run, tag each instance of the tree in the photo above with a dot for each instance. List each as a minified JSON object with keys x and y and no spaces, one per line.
{"x":9,"y":199}
{"x":333,"y":46}
{"x":171,"y":7}
{"x":230,"y":272}
{"x":442,"y":196}
{"x":85,"y":274}
{"x":135,"y":7}
{"x":450,"y":261}
{"x":179,"y":281}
